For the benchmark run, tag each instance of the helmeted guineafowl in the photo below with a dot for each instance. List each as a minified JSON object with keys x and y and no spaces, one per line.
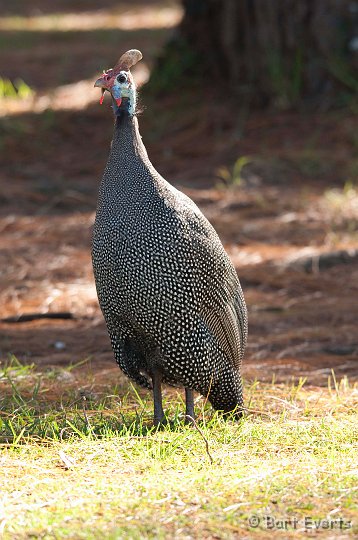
{"x":173,"y":304}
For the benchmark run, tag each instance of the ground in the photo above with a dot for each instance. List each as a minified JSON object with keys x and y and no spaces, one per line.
{"x":279,"y":187}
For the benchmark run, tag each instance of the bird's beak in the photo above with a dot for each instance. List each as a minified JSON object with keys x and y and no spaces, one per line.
{"x":104,"y":82}
{"x":107,"y":83}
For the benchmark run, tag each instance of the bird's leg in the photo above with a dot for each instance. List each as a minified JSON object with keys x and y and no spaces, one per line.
{"x":159,"y":417}
{"x":189,"y":406}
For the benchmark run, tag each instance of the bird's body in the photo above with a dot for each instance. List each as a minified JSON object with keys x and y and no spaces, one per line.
{"x":168,"y":291}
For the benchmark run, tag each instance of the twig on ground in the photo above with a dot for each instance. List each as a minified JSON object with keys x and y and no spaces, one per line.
{"x":256,"y":411}
{"x":208,"y":392}
{"x":26,"y":317}
{"x":203,"y":436}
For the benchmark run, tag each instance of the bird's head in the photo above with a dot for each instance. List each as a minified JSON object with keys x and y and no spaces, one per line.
{"x":118,"y":81}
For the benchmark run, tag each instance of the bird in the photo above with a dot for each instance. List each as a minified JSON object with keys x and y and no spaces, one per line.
{"x":169,"y":293}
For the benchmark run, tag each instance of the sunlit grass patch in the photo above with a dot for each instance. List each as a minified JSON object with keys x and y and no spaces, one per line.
{"x":85,"y":462}
{"x":339,"y":208}
{"x":14,"y":90}
{"x":342,"y":203}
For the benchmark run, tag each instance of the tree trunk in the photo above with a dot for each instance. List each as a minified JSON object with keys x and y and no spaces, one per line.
{"x":272,"y":52}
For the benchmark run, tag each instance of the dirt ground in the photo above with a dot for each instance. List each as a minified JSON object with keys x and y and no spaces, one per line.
{"x":286,"y":213}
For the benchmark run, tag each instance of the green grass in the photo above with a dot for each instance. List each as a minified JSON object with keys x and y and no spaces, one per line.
{"x":17,"y":89}
{"x":340,"y":208}
{"x":86,"y":463}
{"x":231,"y":178}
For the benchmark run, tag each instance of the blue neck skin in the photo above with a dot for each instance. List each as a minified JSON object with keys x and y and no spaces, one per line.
{"x":123,"y":110}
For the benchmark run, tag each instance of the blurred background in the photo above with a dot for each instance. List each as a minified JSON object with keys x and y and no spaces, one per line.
{"x":250,"y":107}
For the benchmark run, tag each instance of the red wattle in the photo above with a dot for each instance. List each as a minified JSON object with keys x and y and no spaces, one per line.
{"x":119,"y":101}
{"x":101,"y":100}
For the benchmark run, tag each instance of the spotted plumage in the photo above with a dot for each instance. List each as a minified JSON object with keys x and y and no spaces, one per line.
{"x":168,"y":291}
